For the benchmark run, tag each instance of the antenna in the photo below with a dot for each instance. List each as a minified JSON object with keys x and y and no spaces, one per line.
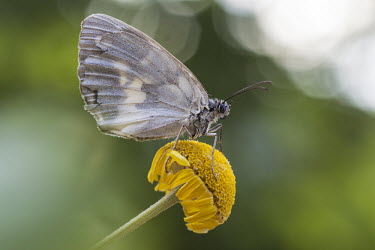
{"x":252,"y":86}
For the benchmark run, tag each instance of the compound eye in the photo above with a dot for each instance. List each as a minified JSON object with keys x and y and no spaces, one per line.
{"x":222,"y":108}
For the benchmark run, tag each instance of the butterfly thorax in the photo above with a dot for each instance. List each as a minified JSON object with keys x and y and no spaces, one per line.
{"x":200,"y":124}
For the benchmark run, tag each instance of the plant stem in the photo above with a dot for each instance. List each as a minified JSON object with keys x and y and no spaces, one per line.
{"x":163,"y":204}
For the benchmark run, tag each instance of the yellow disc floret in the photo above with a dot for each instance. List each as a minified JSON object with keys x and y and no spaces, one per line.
{"x":207,"y":197}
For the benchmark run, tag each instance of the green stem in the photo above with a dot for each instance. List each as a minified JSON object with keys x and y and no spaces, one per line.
{"x":163,"y":204}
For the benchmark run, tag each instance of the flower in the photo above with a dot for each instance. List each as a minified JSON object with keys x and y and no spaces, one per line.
{"x":206,"y":199}
{"x":186,"y":175}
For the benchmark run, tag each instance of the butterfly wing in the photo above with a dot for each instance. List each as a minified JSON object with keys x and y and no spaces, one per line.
{"x":131,"y":85}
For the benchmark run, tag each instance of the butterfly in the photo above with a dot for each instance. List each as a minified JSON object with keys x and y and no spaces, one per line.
{"x":136,"y":89}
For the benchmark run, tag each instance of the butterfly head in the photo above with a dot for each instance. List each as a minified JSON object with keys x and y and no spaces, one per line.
{"x":220,"y":107}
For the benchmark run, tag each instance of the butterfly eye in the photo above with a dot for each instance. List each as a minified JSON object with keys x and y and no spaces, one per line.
{"x":222,"y":108}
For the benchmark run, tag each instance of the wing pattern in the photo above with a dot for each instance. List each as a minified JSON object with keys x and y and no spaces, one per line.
{"x":131,"y":85}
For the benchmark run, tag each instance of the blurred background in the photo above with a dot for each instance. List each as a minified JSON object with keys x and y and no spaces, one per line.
{"x":303,"y":152}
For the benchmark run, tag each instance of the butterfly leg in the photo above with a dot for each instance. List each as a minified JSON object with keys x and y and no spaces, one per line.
{"x":183,"y":127}
{"x":212,"y":132}
{"x":216,"y":128}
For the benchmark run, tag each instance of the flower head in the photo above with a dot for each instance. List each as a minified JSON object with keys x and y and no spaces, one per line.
{"x":207,"y":200}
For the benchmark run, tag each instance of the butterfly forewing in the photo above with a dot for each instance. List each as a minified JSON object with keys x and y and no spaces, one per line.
{"x":133,"y":86}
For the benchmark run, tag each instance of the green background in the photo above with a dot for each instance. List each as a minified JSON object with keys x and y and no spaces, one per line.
{"x":304,"y":165}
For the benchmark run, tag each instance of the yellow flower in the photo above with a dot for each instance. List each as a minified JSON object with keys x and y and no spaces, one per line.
{"x":207,"y":200}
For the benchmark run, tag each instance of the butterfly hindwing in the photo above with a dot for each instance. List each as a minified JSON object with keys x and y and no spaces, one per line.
{"x":133,"y":87}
